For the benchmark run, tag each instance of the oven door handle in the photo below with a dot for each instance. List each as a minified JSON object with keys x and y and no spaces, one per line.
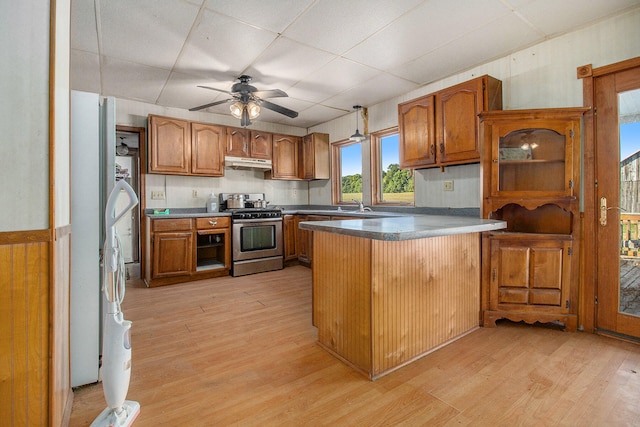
{"x":257,"y":220}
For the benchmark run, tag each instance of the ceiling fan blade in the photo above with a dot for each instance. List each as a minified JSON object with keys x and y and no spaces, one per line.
{"x":278,"y":109}
{"x":202,"y":107}
{"x":273,"y":93}
{"x":218,"y":90}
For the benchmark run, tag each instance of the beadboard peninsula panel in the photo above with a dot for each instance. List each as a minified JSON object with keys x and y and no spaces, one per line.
{"x":380,"y":305}
{"x":24,"y":328}
{"x":426,"y":292}
{"x":342,"y":311}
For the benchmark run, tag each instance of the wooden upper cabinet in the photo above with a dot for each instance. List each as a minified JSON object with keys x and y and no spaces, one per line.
{"x":180,"y":147}
{"x":531,"y":153}
{"x":285,"y":157}
{"x":169,"y":146}
{"x":237,"y":142}
{"x":260,"y":146}
{"x":207,"y":147}
{"x":416,"y":126}
{"x":457,"y":122}
{"x":443,"y":128}
{"x":314,"y":156}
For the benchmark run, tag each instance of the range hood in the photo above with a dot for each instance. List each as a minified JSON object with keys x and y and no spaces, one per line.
{"x":246,"y":163}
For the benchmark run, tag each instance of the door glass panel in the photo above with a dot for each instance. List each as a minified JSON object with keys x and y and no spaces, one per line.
{"x":629,"y":122}
{"x":532,"y":160}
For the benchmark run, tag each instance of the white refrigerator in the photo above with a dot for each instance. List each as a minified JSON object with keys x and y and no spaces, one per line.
{"x":93,"y":142}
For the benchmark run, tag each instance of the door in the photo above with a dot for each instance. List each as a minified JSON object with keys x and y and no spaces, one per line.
{"x":617,"y":102}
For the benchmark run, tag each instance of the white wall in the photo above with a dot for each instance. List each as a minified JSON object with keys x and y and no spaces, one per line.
{"x":24,"y":115}
{"x":543,"y":76}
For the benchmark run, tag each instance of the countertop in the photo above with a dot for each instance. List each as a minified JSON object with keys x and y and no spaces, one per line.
{"x":405,"y":227}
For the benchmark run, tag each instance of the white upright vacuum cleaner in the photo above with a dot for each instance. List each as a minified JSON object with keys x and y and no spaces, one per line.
{"x":116,"y":339}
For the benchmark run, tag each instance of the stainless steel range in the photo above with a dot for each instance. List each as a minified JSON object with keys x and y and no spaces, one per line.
{"x":256,"y":234}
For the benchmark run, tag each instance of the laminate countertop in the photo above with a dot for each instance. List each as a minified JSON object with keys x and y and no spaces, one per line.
{"x":405,"y":227}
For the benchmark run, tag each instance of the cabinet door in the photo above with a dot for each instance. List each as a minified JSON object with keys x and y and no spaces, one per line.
{"x":314,"y":156}
{"x":457,"y":122}
{"x":531,"y":276}
{"x":290,"y":237}
{"x":169,"y":146}
{"x":285,"y":157}
{"x":261,"y":145}
{"x":416,"y":128}
{"x":303,"y":237}
{"x":172,"y":254}
{"x":533,"y":158}
{"x":207,"y":145}
{"x":237,"y":142}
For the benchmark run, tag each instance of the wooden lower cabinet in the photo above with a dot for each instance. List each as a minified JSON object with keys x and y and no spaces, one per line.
{"x":530,"y":279}
{"x":289,"y":227}
{"x":185,"y":249}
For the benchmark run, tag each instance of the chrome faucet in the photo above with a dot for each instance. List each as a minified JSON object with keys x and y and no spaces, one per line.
{"x":361,"y":207}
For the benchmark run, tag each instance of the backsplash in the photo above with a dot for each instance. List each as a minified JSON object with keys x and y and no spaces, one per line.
{"x":193,"y":191}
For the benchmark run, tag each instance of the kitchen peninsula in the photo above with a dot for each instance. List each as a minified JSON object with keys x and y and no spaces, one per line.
{"x":387,"y":291}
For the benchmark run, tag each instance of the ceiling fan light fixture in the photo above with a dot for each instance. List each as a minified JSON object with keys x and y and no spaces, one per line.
{"x":253,"y":109}
{"x":357,"y":137}
{"x":236,"y":109}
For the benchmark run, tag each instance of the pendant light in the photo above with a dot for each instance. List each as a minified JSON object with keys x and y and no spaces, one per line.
{"x":357,"y":137}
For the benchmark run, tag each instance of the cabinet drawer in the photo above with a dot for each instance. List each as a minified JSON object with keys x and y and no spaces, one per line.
{"x":212,"y":222}
{"x":171,"y":224}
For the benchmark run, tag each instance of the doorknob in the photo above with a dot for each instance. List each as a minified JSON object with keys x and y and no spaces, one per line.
{"x":604,"y":209}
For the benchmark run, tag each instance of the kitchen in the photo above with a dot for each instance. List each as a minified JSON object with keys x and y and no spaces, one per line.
{"x":542,"y":67}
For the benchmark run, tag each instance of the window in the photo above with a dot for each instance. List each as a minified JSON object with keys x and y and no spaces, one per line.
{"x":389,"y":184}
{"x":347,"y":171}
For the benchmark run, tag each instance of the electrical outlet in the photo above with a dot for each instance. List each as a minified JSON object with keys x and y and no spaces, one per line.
{"x":157,"y":195}
{"x":448,"y":186}
{"x":294,"y":193}
{"x":194,"y":194}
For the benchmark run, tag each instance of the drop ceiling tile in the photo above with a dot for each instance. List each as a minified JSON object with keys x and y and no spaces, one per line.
{"x":272,"y":15}
{"x":84,"y":71}
{"x":335,"y":77}
{"x":371,"y":92}
{"x":83,"y":26}
{"x":129,"y":80}
{"x":285,"y":63}
{"x":182,"y":91}
{"x":570,"y":14}
{"x":140,"y":31}
{"x":338,"y":25}
{"x":497,"y":39}
{"x":425,"y":29}
{"x":207,"y":53}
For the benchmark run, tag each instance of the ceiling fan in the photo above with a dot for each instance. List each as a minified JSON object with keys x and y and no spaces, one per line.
{"x":247,"y":101}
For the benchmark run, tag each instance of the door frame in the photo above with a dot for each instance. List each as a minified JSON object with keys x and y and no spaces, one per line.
{"x":588,"y":282}
{"x":142,"y":153}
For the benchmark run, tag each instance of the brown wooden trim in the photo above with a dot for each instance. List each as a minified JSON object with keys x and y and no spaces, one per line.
{"x":29,"y":236}
{"x":142,"y":184}
{"x":589,"y":255}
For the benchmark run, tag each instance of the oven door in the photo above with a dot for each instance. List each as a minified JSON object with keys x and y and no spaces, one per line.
{"x":256,"y":238}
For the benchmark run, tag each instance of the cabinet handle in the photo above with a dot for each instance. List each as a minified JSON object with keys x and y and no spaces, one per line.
{"x":495,"y":275}
{"x":442,"y":148}
{"x":213,"y":223}
{"x":433,"y":149}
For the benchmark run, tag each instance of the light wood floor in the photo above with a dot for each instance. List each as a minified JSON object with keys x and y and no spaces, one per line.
{"x":242,"y":351}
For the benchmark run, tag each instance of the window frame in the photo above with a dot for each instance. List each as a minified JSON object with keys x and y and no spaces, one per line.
{"x":376,"y":169}
{"x":336,"y":171}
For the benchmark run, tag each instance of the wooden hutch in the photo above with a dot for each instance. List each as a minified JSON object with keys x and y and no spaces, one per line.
{"x":531,"y":179}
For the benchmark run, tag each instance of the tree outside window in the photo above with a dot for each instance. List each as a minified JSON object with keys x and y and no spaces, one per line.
{"x":390,"y":184}
{"x":347,"y":155}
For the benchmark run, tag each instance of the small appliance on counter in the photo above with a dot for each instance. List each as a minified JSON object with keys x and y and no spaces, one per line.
{"x":256,"y":233}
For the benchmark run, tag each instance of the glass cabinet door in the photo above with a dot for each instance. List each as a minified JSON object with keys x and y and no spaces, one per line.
{"x":534,"y":160}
